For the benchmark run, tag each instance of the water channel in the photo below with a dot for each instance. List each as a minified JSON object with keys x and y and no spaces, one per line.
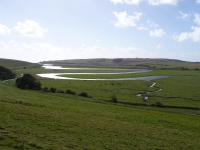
{"x":145,"y":98}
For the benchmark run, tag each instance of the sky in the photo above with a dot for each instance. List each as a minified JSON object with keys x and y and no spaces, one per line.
{"x":39,"y":30}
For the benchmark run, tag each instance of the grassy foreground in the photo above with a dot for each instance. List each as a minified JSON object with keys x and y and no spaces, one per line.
{"x":37,"y":120}
{"x":54,"y":121}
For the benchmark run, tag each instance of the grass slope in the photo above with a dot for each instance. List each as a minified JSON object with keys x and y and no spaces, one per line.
{"x":17,"y":64}
{"x":35,"y":120}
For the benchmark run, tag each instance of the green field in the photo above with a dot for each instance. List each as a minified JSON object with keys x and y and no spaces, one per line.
{"x":177,"y":91}
{"x":32,"y":120}
{"x":131,"y":75}
{"x":36,"y":120}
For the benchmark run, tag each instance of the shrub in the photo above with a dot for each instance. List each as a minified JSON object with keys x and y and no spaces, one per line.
{"x":158,"y":104}
{"x":70,"y":92}
{"x":27,"y":81}
{"x":84,"y":94}
{"x":114,"y":99}
{"x":52,"y":89}
{"x":6,"y":74}
{"x":60,"y":91}
{"x":45,"y":89}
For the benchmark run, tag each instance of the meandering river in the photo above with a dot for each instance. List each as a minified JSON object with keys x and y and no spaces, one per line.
{"x":58,"y":75}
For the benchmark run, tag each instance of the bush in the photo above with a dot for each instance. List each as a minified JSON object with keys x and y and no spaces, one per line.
{"x":60,"y":91}
{"x":158,"y":104}
{"x":6,"y":74}
{"x":46,"y":89}
{"x":52,"y":89}
{"x":27,"y":81}
{"x":70,"y":92}
{"x":114,"y":99}
{"x":84,"y":94}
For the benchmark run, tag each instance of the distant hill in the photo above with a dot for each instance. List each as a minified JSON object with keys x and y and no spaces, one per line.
{"x":6,"y":74}
{"x":17,"y":64}
{"x":145,"y":63}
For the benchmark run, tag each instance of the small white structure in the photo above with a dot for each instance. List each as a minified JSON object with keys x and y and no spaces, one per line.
{"x":145,"y":98}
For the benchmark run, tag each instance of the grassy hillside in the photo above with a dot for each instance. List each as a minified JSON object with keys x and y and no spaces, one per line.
{"x":17,"y":64}
{"x":129,"y":63}
{"x":20,"y":67}
{"x":37,"y":120}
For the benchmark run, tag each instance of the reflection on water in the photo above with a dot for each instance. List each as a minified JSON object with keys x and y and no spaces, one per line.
{"x":57,"y":75}
{"x":50,"y":66}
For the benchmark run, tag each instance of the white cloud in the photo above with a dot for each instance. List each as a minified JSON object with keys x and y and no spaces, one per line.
{"x":162,"y":2}
{"x":151,"y":23}
{"x":116,"y":52}
{"x":14,"y":43}
{"x":3,"y":45}
{"x":194,"y":35}
{"x":142,"y":28}
{"x":184,"y":15}
{"x":125,"y":20}
{"x":93,"y":49}
{"x":83,"y":45}
{"x":117,"y":1}
{"x":151,"y":2}
{"x":159,"y":46}
{"x":35,"y":52}
{"x":4,"y":30}
{"x":30,"y":29}
{"x":99,"y":40}
{"x":197,"y":19}
{"x":198,"y":1}
{"x":157,"y":33}
{"x":44,"y":47}
{"x":134,"y":50}
{"x":129,"y":2}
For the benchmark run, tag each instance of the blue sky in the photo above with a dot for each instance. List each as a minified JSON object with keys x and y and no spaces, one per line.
{"x":38,"y":30}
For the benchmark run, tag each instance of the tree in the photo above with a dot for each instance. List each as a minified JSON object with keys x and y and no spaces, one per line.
{"x":52,"y":89}
{"x":114,"y":98}
{"x":6,"y":74}
{"x":27,"y":81}
{"x":84,"y":94}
